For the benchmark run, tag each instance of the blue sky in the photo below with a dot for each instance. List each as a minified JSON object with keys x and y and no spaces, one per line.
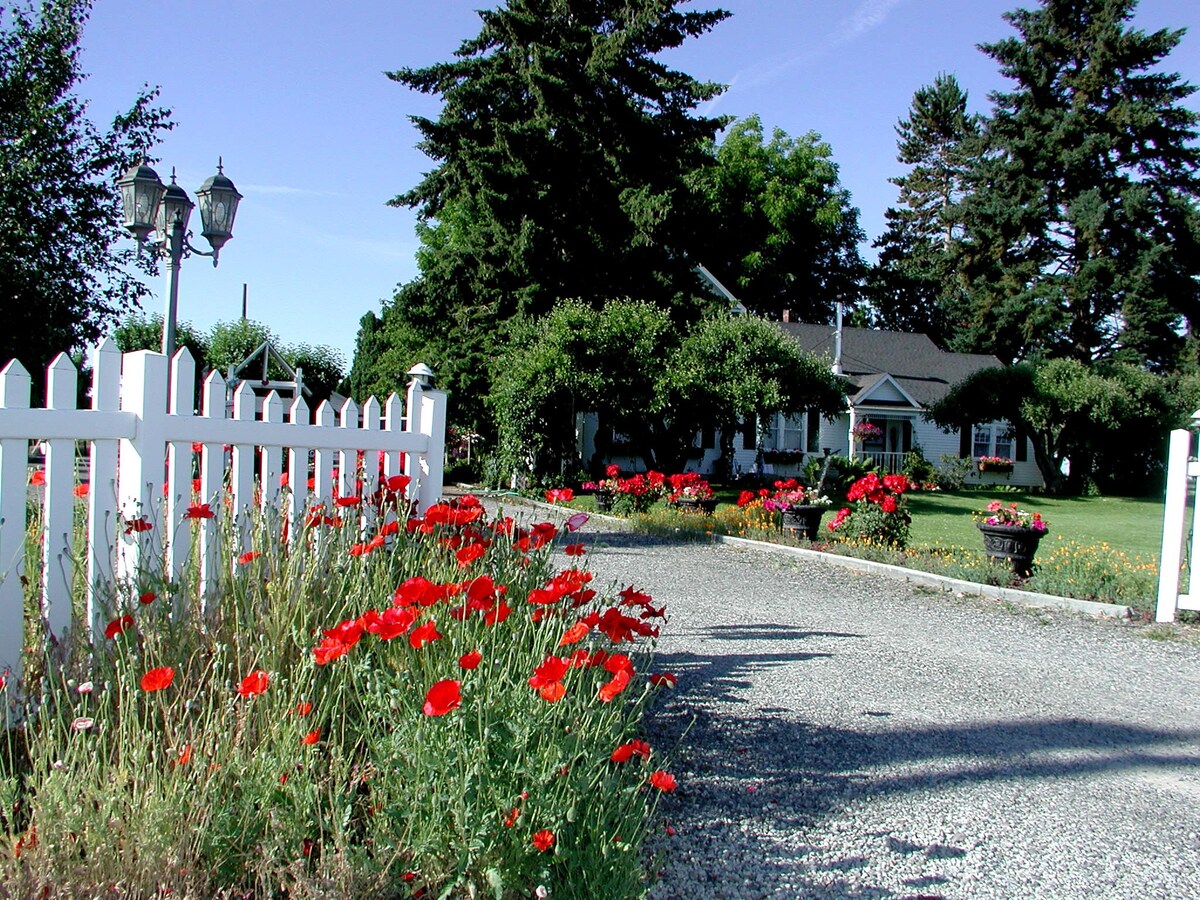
{"x":292,"y":95}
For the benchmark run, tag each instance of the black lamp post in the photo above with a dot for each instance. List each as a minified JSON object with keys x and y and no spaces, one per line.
{"x":152,"y":207}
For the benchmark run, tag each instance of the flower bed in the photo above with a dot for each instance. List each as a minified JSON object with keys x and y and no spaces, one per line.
{"x":430,"y":710}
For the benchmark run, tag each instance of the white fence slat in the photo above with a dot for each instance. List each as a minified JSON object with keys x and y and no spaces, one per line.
{"x":179,"y":474}
{"x":58,"y":567}
{"x":140,"y":463}
{"x":393,"y":413}
{"x":104,"y":526}
{"x":271,"y":455}
{"x":242,"y":478}
{"x":323,"y":461}
{"x":297,"y":472}
{"x":212,"y":485}
{"x":15,"y":385}
{"x":370,"y":472}
{"x":347,"y":482}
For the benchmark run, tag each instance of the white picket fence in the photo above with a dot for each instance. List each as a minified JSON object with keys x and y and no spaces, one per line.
{"x":1183,"y":473}
{"x":141,"y":436}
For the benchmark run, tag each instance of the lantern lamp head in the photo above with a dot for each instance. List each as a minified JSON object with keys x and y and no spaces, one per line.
{"x":141,"y":193}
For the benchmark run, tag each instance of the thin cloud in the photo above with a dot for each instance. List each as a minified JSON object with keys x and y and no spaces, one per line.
{"x":867,"y":16}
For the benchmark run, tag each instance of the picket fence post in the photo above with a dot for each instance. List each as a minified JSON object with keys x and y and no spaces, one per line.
{"x":140,"y":465}
{"x":427,"y":416}
{"x":15,"y":387}
{"x":104,"y":526}
{"x":1182,"y":475}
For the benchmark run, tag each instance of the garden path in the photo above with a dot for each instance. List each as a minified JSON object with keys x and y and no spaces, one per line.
{"x":838,"y":735}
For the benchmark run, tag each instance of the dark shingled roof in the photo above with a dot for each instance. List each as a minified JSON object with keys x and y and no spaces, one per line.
{"x":923,"y":370}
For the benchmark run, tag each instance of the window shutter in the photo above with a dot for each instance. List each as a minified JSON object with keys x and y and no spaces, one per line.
{"x":964,"y":442}
{"x":750,"y":433}
{"x":1022,"y":447}
{"x":708,"y":438}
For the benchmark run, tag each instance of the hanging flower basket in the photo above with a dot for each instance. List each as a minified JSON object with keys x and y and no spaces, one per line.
{"x":803,"y":521}
{"x":1014,"y":544}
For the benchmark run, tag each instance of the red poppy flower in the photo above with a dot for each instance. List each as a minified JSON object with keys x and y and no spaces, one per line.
{"x":195,"y":485}
{"x":147,"y":598}
{"x":158,"y":679}
{"x":511,"y":819}
{"x":497,"y":615}
{"x":398,"y":483}
{"x":184,"y":757}
{"x":312,"y":737}
{"x":665,"y":678}
{"x":560,"y":495}
{"x":349,"y":501}
{"x":577,"y":521}
{"x":248,"y":557}
{"x":627,"y":750}
{"x":664,"y":781}
{"x":254,"y":684}
{"x":552,"y":693}
{"x":575,"y":634}
{"x":138,"y":525}
{"x":118,"y":626}
{"x":199,"y":511}
{"x":469,"y":554}
{"x":552,"y":670}
{"x":574,"y":549}
{"x":39,"y":478}
{"x":612,"y":688}
{"x":423,"y":634}
{"x":470,"y":660}
{"x":81,"y":490}
{"x":544,"y":839}
{"x":442,"y":697}
{"x":303,"y":708}
{"x":330,"y":649}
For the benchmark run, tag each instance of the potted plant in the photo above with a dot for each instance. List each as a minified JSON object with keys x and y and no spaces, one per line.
{"x":1011,"y":534}
{"x":800,"y":507}
{"x":690,"y":491}
{"x":605,"y":487}
{"x":876,"y":514}
{"x":999,"y":464}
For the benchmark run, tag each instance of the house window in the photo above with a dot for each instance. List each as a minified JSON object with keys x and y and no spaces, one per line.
{"x":994,"y":439}
{"x":813,"y":442}
{"x":790,"y":434}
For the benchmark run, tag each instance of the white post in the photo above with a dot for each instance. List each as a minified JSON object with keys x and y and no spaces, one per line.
{"x":15,"y":385}
{"x":179,"y":475}
{"x":323,"y":462}
{"x":427,"y":416}
{"x":242,"y":477}
{"x":1174,"y":521}
{"x":270,"y":457}
{"x":212,"y":486}
{"x":140,"y":469}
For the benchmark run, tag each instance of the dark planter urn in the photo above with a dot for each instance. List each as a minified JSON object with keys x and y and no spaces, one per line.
{"x":803,"y":521}
{"x":604,"y":501}
{"x":707,"y":506}
{"x":1015,"y":545}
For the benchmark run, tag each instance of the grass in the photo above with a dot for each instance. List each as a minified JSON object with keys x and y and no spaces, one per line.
{"x":943,"y":518}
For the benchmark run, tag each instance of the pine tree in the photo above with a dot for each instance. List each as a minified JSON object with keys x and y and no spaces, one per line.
{"x":1081,"y":221}
{"x":915,"y":286}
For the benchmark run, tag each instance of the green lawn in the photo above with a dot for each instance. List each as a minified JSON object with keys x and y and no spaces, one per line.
{"x":1134,"y":525}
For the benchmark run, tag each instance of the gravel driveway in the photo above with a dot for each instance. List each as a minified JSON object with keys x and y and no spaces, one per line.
{"x":840,"y":735}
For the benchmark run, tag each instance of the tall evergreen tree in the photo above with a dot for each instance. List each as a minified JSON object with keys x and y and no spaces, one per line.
{"x":915,"y":287}
{"x":783,"y":233}
{"x":1081,"y":225}
{"x":561,"y":149}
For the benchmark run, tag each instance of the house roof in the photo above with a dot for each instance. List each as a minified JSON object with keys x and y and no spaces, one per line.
{"x":918,"y":366}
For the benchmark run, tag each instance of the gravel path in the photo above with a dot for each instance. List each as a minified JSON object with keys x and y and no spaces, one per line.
{"x":839,"y":735}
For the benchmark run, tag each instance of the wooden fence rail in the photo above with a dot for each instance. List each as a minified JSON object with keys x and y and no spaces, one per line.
{"x":142,"y":436}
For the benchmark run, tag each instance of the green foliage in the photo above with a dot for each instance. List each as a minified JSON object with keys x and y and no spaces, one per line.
{"x":140,"y":332}
{"x":917,"y":468}
{"x":843,"y":472}
{"x":321,"y":367}
{"x":783,"y":232}
{"x":62,"y":279}
{"x":229,"y":343}
{"x":1107,"y":418}
{"x":868,"y":525}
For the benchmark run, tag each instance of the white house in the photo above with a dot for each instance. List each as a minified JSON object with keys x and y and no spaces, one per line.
{"x":893,"y":377}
